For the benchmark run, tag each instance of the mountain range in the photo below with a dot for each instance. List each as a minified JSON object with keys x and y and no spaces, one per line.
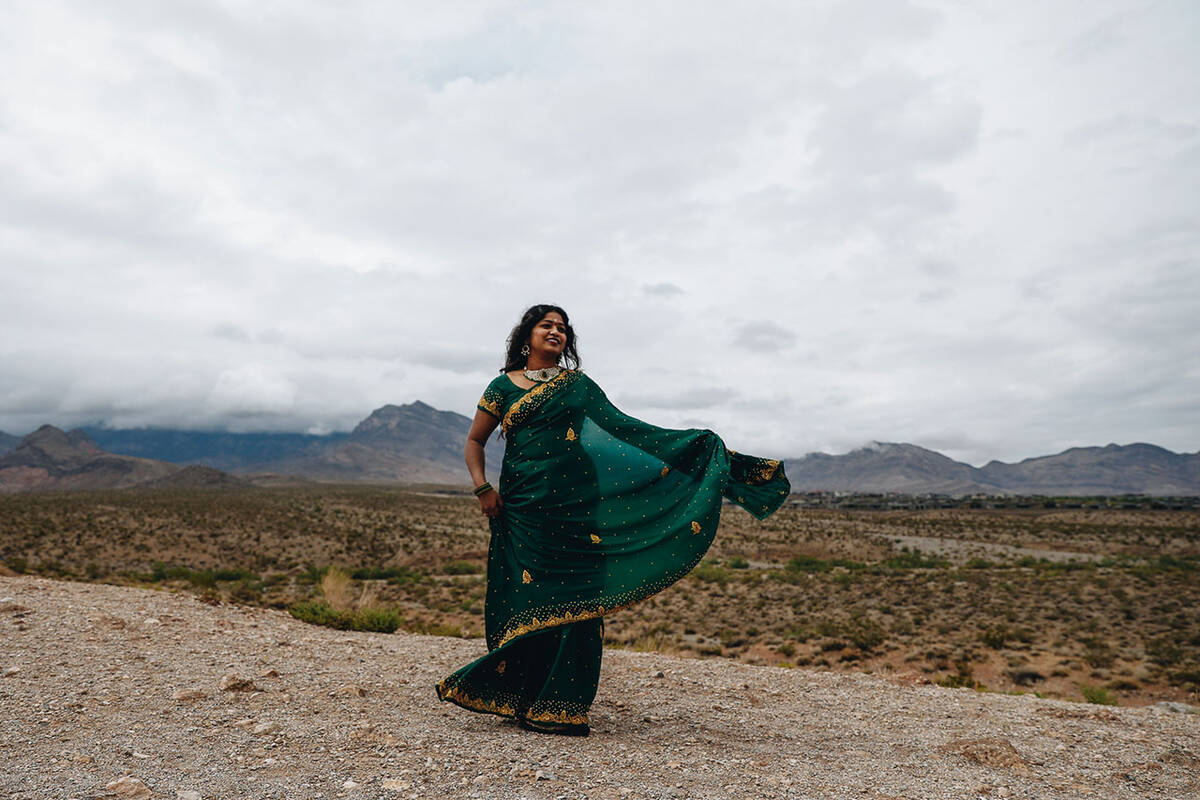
{"x":909,"y":469}
{"x":417,"y":443}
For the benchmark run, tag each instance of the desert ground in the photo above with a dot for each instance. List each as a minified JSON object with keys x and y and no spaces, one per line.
{"x":122,"y":692}
{"x":1099,"y":605}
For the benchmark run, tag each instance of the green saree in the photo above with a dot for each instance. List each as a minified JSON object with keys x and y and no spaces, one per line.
{"x":601,"y":510}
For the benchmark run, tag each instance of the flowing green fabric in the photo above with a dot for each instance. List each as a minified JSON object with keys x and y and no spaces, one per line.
{"x":601,"y":510}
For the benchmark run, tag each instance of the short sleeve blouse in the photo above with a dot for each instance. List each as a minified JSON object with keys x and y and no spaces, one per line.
{"x":498,"y":396}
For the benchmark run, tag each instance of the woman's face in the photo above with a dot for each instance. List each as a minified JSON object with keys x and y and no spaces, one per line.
{"x":549,"y":337}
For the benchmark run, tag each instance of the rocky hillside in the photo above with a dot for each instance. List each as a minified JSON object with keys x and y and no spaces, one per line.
{"x":51,"y":459}
{"x":413,"y":443}
{"x":8,"y":442}
{"x":907,"y":468}
{"x":162,"y":695}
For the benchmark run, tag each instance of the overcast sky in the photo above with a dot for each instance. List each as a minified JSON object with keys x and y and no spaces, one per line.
{"x":807,"y":225}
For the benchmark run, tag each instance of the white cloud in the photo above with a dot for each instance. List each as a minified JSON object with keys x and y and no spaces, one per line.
{"x":804,"y":225}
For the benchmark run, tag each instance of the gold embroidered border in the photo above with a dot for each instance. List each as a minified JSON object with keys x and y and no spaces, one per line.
{"x":457,"y":695}
{"x":561,"y":717}
{"x":539,"y":623}
{"x":529,"y":402}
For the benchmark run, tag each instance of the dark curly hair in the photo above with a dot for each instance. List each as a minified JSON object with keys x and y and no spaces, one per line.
{"x":513,"y":359}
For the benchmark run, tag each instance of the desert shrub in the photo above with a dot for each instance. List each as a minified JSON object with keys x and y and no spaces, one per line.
{"x":807,"y":564}
{"x":996,"y":637}
{"x":380,"y":620}
{"x":737,"y":562}
{"x":337,"y":587}
{"x":1097,"y":695}
{"x":866,"y":634}
{"x":234,"y":575}
{"x":1188,"y":563}
{"x":312,"y":574}
{"x":461,"y":568}
{"x":1098,"y":652}
{"x":709,"y":573}
{"x":393,"y":575}
{"x":318,"y":613}
{"x":17,"y":564}
{"x":246,"y":592}
{"x":1186,"y":677}
{"x":978,"y":563}
{"x":1163,"y":651}
{"x":914,"y":560}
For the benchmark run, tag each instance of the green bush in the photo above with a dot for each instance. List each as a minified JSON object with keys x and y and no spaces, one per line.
{"x":866,"y":634}
{"x":808,"y":564}
{"x":380,"y":620}
{"x":914,"y":560}
{"x":737,"y":562}
{"x":709,"y":573}
{"x":461,"y":568}
{"x":392,"y":575}
{"x":1097,"y":695}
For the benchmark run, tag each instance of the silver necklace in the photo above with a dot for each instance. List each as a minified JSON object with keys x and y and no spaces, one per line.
{"x":542,"y":375}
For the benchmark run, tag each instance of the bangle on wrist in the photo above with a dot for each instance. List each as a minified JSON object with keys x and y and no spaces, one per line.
{"x":483,"y":489}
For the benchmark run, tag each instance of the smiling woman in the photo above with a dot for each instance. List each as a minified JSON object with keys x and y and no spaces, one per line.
{"x":595,"y":511}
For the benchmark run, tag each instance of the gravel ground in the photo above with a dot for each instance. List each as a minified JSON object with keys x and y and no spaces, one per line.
{"x":118,"y":692}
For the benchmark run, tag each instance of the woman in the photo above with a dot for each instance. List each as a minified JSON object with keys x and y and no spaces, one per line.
{"x":595,"y":511}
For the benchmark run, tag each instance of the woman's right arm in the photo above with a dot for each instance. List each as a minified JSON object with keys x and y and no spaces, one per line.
{"x":481,"y":428}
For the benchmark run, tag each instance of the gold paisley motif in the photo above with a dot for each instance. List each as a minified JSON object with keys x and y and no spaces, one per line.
{"x":503,"y":665}
{"x":695,"y":527}
{"x":595,"y":539}
{"x":763,"y":473}
{"x":571,"y":434}
{"x":664,"y":472}
{"x":526,"y":577}
{"x":490,"y":406}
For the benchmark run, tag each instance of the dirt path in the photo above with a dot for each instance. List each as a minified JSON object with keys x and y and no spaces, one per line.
{"x":102,"y":682}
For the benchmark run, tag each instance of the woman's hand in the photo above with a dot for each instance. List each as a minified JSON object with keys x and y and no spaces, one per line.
{"x":490,"y":503}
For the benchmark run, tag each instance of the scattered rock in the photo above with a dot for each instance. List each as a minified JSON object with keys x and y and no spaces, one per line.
{"x":991,"y":752}
{"x":1175,"y":707}
{"x":349,"y":690}
{"x":263,"y":728}
{"x":151,"y":621}
{"x":188,"y":695}
{"x":350,"y":784}
{"x":128,"y":786}
{"x":269,"y":673}
{"x":1177,"y":755}
{"x":244,"y":723}
{"x":543,"y":775}
{"x":8,"y":673}
{"x":187,"y":794}
{"x":236,"y":683}
{"x":396,"y":785}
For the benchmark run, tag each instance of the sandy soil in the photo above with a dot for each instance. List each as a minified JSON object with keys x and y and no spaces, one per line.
{"x":117,"y":692}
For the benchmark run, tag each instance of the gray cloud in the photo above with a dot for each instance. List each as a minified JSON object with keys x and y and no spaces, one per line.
{"x":962,"y":225}
{"x":763,"y":336}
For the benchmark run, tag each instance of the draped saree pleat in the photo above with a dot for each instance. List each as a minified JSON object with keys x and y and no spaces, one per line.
{"x":601,"y":510}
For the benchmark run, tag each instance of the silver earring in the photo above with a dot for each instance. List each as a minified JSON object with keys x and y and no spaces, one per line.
{"x":525,"y":350}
